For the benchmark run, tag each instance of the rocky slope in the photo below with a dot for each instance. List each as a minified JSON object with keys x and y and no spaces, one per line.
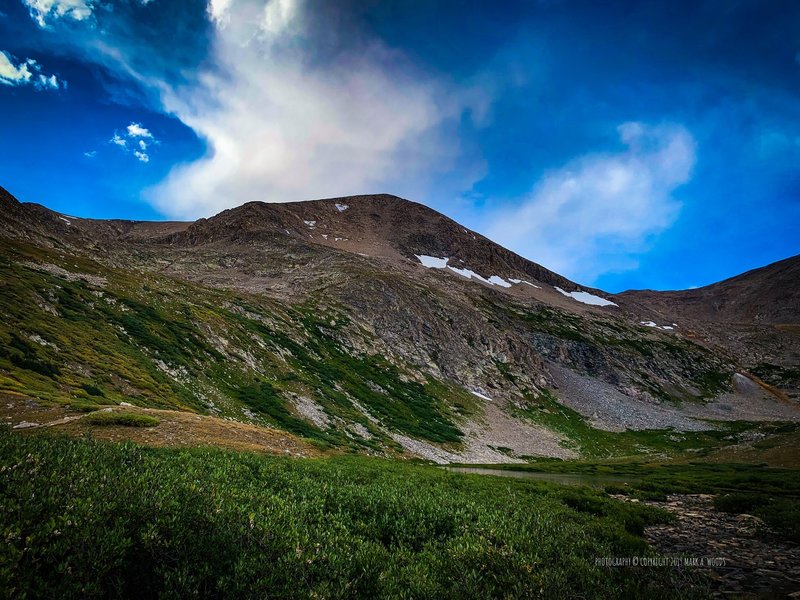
{"x":754,"y":317}
{"x":368,"y":323}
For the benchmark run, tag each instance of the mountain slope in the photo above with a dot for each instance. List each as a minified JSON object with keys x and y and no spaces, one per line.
{"x":754,"y":316}
{"x":769,"y":294}
{"x":321,"y":318}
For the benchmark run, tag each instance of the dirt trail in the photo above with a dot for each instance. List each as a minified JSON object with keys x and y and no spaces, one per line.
{"x":176,"y":428}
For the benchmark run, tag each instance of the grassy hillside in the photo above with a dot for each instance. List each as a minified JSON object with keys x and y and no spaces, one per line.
{"x":79,"y":333}
{"x":75,"y":332}
{"x":86,"y":519}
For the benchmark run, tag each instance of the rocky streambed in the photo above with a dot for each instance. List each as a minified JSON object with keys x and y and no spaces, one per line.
{"x":740,"y":555}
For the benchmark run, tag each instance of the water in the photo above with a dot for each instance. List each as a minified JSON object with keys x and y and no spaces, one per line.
{"x":595,"y":481}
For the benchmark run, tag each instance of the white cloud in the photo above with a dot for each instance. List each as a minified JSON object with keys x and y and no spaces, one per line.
{"x":50,"y":82}
{"x":136,"y":130}
{"x":282,"y":125}
{"x":136,"y":139}
{"x":119,"y":140}
{"x":44,"y":10}
{"x":26,"y":72}
{"x":218,"y":9}
{"x":11,"y":74}
{"x":596,"y":213}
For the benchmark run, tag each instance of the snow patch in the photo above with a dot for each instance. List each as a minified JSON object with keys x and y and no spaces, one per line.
{"x":469,"y":274}
{"x":518,"y":281}
{"x":341,"y":207}
{"x":481,"y":396}
{"x":310,"y":223}
{"x":656,"y":326}
{"x":496,"y":280}
{"x":431,"y":262}
{"x":586,"y":298}
{"x":65,"y":220}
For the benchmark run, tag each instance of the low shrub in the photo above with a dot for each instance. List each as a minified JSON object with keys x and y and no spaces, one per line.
{"x":121,"y":419}
{"x":88,"y":519}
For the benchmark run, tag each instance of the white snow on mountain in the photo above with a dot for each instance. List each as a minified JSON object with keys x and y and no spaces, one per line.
{"x":586,"y":298}
{"x":519,"y":281}
{"x":481,"y":396}
{"x":431,"y":262}
{"x":495,"y":280}
{"x":664,"y":327}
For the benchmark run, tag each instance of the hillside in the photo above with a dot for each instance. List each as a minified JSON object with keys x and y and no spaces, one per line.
{"x":370,"y":324}
{"x":754,"y":316}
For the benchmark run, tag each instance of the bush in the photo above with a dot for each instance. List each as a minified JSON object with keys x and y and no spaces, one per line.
{"x":781,"y":514}
{"x":92,"y":390}
{"x":740,"y":502}
{"x":121,"y":419}
{"x":86,"y":519}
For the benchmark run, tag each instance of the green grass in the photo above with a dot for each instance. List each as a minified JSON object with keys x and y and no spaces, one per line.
{"x":772,"y":494}
{"x":175,"y":345}
{"x":427,"y":410}
{"x":597,"y":443}
{"x":694,"y":477}
{"x":121,"y":419}
{"x":83,"y":519}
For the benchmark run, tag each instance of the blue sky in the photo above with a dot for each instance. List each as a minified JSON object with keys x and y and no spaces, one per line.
{"x":623,"y":144}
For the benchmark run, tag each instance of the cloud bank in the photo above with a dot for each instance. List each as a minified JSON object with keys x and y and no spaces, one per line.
{"x":596,"y":213}
{"x":283,"y":122}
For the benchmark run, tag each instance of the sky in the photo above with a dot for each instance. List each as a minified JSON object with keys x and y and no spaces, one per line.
{"x":623,"y":144}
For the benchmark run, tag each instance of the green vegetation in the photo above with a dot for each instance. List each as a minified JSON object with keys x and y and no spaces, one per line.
{"x":693,"y":477}
{"x":169,"y":344}
{"x":782,"y":514}
{"x":778,"y":375}
{"x":769,"y":493}
{"x":591,"y":341}
{"x":83,"y":519}
{"x":173,"y":345}
{"x":263,"y":399}
{"x":597,"y":443}
{"x":557,"y":323}
{"x":24,"y":355}
{"x":121,"y":419}
{"x":713,"y":383}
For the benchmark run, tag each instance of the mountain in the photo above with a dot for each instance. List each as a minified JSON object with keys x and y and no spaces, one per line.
{"x":374,"y":324}
{"x":755,"y":316}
